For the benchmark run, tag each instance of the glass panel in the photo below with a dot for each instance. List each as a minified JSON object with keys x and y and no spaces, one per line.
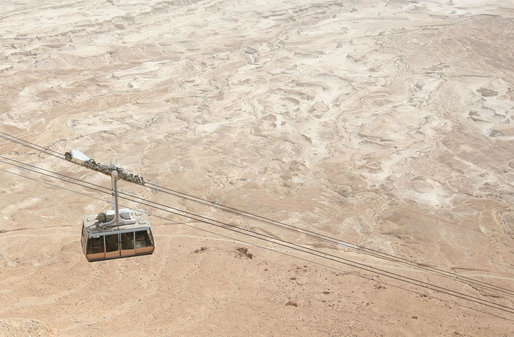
{"x":150,"y":237}
{"x":111,"y":243}
{"x":95,"y":245}
{"x":83,"y":240}
{"x":143,"y":239}
{"x":127,"y":240}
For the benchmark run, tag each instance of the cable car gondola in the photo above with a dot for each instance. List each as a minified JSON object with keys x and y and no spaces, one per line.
{"x":134,"y":237}
{"x":118,"y":232}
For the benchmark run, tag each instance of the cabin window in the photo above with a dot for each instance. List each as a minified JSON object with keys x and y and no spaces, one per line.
{"x":95,"y":245}
{"x":143,"y":239}
{"x":127,"y":240}
{"x":111,"y":243}
{"x":83,"y":239}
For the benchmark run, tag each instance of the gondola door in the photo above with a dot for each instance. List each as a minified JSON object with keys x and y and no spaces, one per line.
{"x":127,"y":244}
{"x":112,"y":247}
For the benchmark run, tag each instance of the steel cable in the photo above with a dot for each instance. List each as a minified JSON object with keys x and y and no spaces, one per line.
{"x":299,"y":230}
{"x":289,"y":245}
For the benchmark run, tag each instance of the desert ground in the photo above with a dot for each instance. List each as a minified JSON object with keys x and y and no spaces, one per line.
{"x":386,"y":127}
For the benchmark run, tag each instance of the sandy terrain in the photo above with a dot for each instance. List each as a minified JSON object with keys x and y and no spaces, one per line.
{"x":386,"y":124}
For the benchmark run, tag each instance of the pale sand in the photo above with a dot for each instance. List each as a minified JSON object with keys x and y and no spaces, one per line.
{"x":388,"y":124}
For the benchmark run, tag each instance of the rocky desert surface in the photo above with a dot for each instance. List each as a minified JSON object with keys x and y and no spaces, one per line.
{"x":347,"y":166}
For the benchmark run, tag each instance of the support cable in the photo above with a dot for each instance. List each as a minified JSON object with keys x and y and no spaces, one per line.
{"x":372,"y":252}
{"x":294,"y":246}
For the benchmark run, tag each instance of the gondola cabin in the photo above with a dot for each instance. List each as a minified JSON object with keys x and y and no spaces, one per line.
{"x":131,"y":236}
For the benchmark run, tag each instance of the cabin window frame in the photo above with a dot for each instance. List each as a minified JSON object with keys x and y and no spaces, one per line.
{"x":149,"y":246}
{"x":91,"y":238}
{"x":83,"y":240}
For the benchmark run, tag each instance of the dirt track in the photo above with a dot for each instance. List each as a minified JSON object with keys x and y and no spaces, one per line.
{"x":388,"y":125}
